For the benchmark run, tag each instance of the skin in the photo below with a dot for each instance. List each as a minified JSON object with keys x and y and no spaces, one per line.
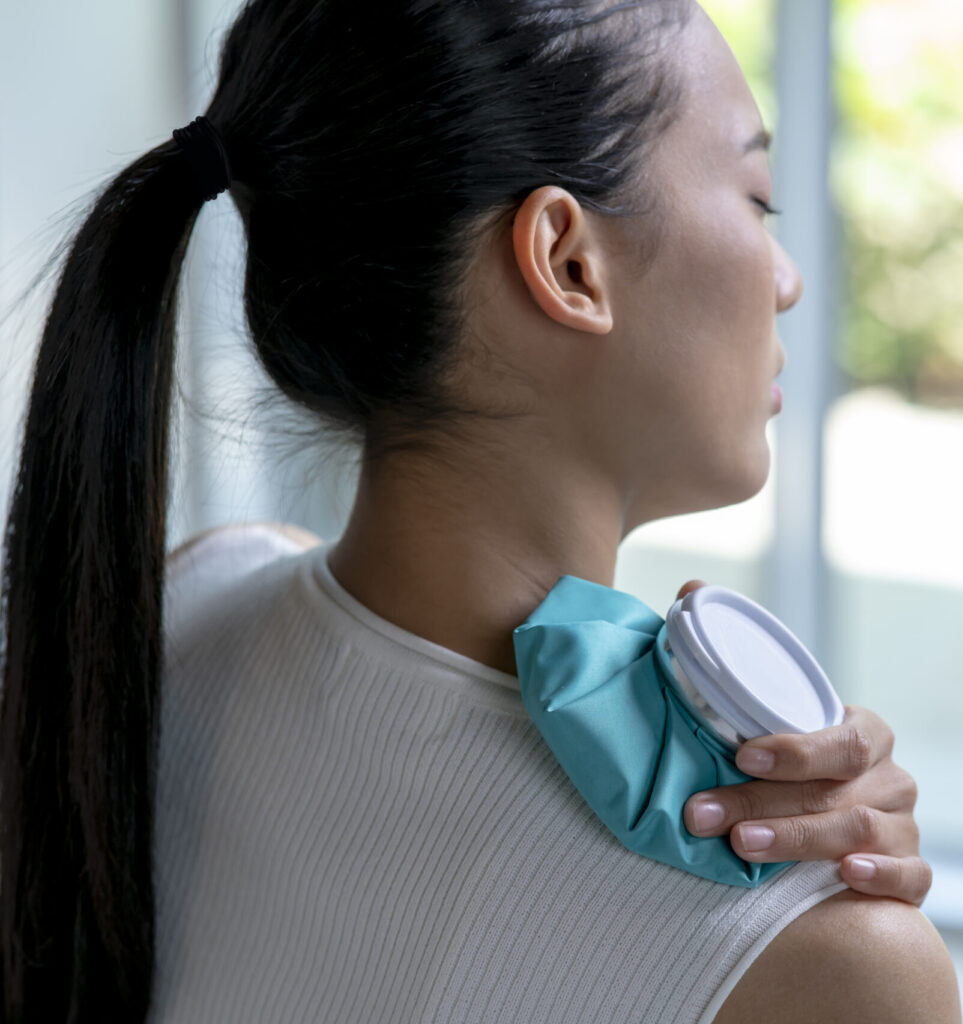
{"x":628,"y":393}
{"x":589,"y":357}
{"x":852,"y":959}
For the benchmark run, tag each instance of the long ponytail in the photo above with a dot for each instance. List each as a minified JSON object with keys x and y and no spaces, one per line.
{"x":82,"y":602}
{"x":370,"y":153}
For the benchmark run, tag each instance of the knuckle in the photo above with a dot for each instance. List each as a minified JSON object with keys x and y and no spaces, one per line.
{"x":819,"y":796}
{"x":906,"y":788}
{"x":801,"y":753}
{"x":867,"y":827}
{"x":913,"y":831}
{"x":924,"y":880}
{"x":798,"y":834}
{"x":887,"y":738}
{"x":859,"y":749}
{"x":752,"y":803}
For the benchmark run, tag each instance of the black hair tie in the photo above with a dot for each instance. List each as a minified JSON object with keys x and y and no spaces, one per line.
{"x":207,"y":155}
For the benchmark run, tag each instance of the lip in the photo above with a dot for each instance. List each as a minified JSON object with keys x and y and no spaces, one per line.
{"x":776,"y":392}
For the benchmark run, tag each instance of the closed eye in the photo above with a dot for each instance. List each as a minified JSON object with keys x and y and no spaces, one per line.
{"x":765,"y":207}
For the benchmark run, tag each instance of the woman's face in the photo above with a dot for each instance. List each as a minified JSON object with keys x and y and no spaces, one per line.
{"x":695,"y":351}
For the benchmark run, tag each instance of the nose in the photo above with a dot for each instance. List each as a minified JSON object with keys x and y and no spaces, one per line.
{"x":789,"y":282}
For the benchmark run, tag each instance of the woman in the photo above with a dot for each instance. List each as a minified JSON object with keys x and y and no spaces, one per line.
{"x":519,"y":248}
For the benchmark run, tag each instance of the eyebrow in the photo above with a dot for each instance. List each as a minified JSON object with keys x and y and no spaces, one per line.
{"x":761,"y":140}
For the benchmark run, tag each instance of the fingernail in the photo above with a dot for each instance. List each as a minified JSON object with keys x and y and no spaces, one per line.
{"x":861,"y":869}
{"x":756,"y":838}
{"x":707,"y":815}
{"x":755,"y":760}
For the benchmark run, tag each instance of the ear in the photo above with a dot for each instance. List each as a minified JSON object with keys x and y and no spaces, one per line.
{"x":560,"y":261}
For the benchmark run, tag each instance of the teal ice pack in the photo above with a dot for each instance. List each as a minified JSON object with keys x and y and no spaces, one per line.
{"x":615,"y":701}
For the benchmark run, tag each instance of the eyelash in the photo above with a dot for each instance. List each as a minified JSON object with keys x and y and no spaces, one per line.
{"x":766,"y":208}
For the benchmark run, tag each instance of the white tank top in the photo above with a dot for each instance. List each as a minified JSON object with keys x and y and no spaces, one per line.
{"x":357,"y":826}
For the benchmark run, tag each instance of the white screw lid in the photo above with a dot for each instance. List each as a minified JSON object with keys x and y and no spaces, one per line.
{"x":747,"y":666}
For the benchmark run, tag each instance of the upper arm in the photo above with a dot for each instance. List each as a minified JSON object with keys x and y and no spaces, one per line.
{"x":851,"y":959}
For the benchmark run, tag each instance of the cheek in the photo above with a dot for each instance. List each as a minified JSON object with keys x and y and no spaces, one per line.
{"x":732,"y":278}
{"x":719,"y":356}
{"x":703,"y":354}
{"x":730,"y":322}
{"x":709,"y":312}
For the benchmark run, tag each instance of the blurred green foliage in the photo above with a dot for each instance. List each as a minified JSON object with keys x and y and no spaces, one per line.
{"x":897,"y":176}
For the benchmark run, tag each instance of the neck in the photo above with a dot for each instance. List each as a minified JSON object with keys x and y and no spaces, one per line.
{"x":462,"y":553}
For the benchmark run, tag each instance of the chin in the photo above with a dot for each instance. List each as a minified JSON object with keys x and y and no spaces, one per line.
{"x":734,"y":484}
{"x":758,"y":474}
{"x":717,"y":485}
{"x":752,"y":477}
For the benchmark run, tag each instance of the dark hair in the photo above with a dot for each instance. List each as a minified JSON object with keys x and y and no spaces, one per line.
{"x":365,"y":148}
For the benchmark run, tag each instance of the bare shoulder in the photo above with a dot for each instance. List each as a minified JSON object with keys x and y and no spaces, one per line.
{"x":304,"y":539}
{"x":853,"y":959}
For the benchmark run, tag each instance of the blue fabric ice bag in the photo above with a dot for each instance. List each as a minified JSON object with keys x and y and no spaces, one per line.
{"x":593,"y":682}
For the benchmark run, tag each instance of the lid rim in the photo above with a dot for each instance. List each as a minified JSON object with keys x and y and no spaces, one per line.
{"x":701,"y":678}
{"x":718,"y":683}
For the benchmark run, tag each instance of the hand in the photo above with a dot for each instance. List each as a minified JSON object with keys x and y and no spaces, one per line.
{"x":829,"y":795}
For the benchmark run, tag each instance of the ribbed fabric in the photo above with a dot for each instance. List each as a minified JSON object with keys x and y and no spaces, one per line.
{"x":356,"y":826}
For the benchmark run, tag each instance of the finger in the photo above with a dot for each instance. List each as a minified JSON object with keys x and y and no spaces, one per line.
{"x":715,"y":811}
{"x":829,"y":836}
{"x":844,"y":751}
{"x":901,"y":878}
{"x":687,"y":588}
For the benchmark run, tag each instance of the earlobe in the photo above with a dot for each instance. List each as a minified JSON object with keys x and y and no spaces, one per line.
{"x":559,"y":261}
